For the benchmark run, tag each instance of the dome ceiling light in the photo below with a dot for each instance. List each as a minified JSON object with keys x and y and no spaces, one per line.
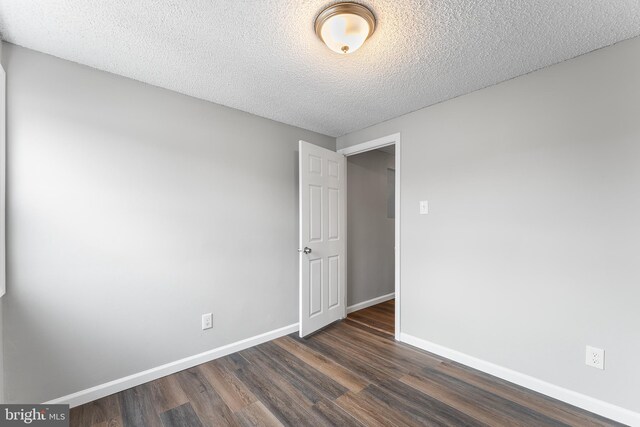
{"x":344,"y":27}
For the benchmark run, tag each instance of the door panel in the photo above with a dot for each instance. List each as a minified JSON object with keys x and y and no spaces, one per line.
{"x":334,"y":281}
{"x":322,"y":222}
{"x":315,"y":165}
{"x":315,"y":213}
{"x":334,"y":169}
{"x":334,"y":213}
{"x":315,"y":285}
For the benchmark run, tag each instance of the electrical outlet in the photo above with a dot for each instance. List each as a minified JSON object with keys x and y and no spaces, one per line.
{"x":207,"y":321}
{"x":424,"y":207}
{"x":595,"y":357}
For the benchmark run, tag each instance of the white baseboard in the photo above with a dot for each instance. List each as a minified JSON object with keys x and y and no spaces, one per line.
{"x":590,"y":404}
{"x":369,"y":303}
{"x":102,"y":390}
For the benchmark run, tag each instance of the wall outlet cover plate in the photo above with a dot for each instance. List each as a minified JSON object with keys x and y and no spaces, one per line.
{"x":424,"y":207}
{"x":207,"y":321}
{"x":594,"y":357}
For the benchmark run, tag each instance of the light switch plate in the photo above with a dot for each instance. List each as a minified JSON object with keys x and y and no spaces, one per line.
{"x":424,"y":207}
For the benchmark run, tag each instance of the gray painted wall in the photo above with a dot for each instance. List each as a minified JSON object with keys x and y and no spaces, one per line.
{"x":370,"y":234}
{"x":532,"y":244}
{"x":2,"y":399}
{"x":2,"y":174}
{"x":132,"y":210}
{"x":2,"y":215}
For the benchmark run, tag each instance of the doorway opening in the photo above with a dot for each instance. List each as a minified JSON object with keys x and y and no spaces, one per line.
{"x":373,"y":235}
{"x":323,"y":237}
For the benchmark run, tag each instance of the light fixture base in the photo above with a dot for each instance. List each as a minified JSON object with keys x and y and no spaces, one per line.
{"x":345,"y":8}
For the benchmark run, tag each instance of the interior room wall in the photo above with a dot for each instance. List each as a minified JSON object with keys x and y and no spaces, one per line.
{"x":370,"y":233}
{"x":2,"y":398}
{"x":132,"y":211}
{"x":2,"y":175}
{"x":531,"y":247}
{"x":2,"y":215}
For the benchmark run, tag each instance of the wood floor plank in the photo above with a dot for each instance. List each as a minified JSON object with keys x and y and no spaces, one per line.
{"x":482,"y":398}
{"x":339,"y":373}
{"x":403,"y":357}
{"x":110,"y":407}
{"x":137,"y":408}
{"x":371,"y":325}
{"x":423,"y":408}
{"x":560,"y":411}
{"x":206,"y":402}
{"x":364,"y":411}
{"x":376,"y":318}
{"x":366,"y":329}
{"x":275,"y":398}
{"x":312,"y":378}
{"x":234,"y":393}
{"x":290,"y":403}
{"x":464,"y":404}
{"x":334,"y":415}
{"x":87,"y":415}
{"x":181,"y":416}
{"x":352,"y":373}
{"x":347,"y":346}
{"x":232,"y":362}
{"x":345,"y":358}
{"x":395,"y":414}
{"x":257,"y":415}
{"x":384,"y":316}
{"x":167,"y":394}
{"x":105,"y":411}
{"x":303,"y":392}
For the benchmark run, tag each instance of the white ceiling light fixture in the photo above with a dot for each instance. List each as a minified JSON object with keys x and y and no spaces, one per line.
{"x":344,"y":27}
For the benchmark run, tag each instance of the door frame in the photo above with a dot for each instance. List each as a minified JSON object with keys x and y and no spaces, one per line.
{"x":306,"y":179}
{"x":374,"y":144}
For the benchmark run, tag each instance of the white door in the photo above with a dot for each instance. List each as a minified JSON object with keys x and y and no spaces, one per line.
{"x":323,"y":216}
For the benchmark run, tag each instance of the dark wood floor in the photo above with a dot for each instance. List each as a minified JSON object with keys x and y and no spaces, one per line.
{"x":380,"y":317}
{"x":351,"y":374}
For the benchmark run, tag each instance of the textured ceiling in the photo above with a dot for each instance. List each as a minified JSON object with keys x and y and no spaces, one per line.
{"x":263,"y":57}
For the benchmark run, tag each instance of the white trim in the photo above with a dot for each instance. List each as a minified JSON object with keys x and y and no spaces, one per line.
{"x":384,"y":141}
{"x":345,"y":202}
{"x":371,"y":145}
{"x":397,"y":246}
{"x":369,"y":303}
{"x":588,"y":403}
{"x":102,"y":390}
